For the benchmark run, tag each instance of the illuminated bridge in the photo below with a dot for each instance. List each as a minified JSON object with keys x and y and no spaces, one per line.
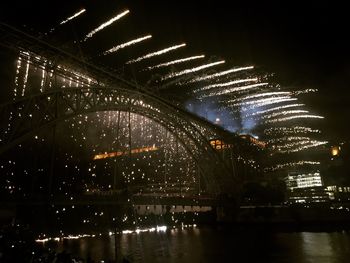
{"x":98,"y":116}
{"x":152,"y":145}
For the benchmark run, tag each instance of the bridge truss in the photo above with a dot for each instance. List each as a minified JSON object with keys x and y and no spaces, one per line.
{"x":73,"y":87}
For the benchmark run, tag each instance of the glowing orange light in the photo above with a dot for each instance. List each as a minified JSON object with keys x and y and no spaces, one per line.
{"x":120,"y":153}
{"x":219,"y":144}
{"x":253,"y":140}
{"x":335,"y":150}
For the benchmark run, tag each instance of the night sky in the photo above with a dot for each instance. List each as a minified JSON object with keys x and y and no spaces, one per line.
{"x":305,"y":44}
{"x":137,"y":148}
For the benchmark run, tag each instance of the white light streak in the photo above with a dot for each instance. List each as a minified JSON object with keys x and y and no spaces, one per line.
{"x":157,"y":53}
{"x":43,"y":240}
{"x":26,"y":75}
{"x":304,"y":91}
{"x":289,"y":139}
{"x":230,"y":83}
{"x":305,"y":116}
{"x":109,"y":22}
{"x":191,"y":70}
{"x":291,"y":164}
{"x":176,"y":62}
{"x":266,"y":94}
{"x":43,"y":77}
{"x":299,"y":146}
{"x":73,"y":16}
{"x":277,"y":108}
{"x":261,"y":101}
{"x":235,"y":89}
{"x":268,"y":102}
{"x":18,"y":68}
{"x":288,"y":146}
{"x":272,"y":115}
{"x":307,"y":146}
{"x":290,"y":130}
{"x":50,"y":78}
{"x":219,"y":74}
{"x":129,"y":43}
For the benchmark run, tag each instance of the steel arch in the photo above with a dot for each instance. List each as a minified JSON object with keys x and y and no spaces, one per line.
{"x":25,"y":117}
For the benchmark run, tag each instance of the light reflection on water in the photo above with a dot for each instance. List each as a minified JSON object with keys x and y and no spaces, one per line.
{"x":317,"y":246}
{"x":216,"y":245}
{"x":326,"y":247}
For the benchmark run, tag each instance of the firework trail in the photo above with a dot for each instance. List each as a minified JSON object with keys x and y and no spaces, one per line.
{"x":43,"y":77}
{"x":289,"y":139}
{"x":277,"y":108}
{"x":219,"y":74}
{"x":266,"y":94}
{"x":290,"y":130}
{"x":299,"y":146}
{"x":231,"y":90}
{"x":129,"y":43}
{"x":175,"y":62}
{"x":305,"y":116}
{"x":191,"y":70}
{"x":73,"y":16}
{"x":268,"y":102}
{"x":26,"y":74}
{"x":275,"y":114}
{"x":305,"y":91}
{"x":18,"y":68}
{"x":291,"y":164}
{"x":109,"y":22}
{"x":290,"y":145}
{"x":230,"y":83}
{"x":258,"y":102}
{"x":157,"y":53}
{"x":312,"y":144}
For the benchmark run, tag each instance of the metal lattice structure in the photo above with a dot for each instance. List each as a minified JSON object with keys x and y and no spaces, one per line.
{"x":104,"y":91}
{"x":30,"y":115}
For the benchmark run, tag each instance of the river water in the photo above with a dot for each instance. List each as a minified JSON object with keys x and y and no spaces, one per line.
{"x":216,"y":245}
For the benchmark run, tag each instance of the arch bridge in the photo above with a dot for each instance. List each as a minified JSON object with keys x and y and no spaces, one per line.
{"x":26,"y":116}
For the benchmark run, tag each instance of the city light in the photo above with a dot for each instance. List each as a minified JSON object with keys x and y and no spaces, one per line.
{"x":335,"y":150}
